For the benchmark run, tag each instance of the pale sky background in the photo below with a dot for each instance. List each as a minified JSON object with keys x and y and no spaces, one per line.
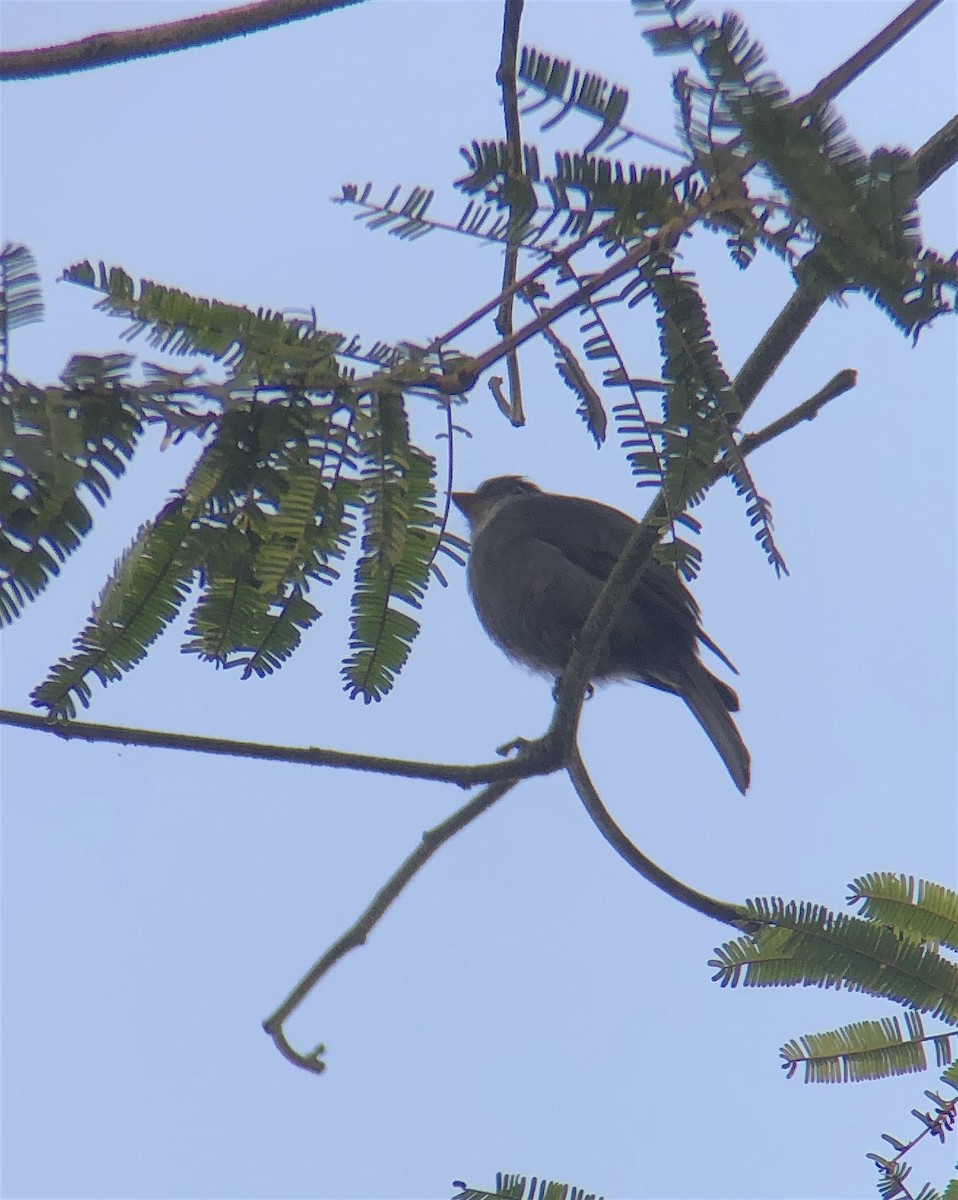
{"x":529,"y":1004}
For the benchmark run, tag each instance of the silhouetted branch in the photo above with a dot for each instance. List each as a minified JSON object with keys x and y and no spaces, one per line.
{"x":837,"y":386}
{"x":506,"y":75}
{"x":104,"y":49}
{"x":939,"y":153}
{"x":465,"y":775}
{"x":718,"y":910}
{"x":844,"y":74}
{"x":357,"y":933}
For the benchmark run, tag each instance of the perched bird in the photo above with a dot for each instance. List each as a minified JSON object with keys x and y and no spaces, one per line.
{"x":537,"y":563}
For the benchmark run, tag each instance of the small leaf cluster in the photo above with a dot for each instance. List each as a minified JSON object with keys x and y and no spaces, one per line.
{"x":891,"y":950}
{"x":294,"y":459}
{"x":518,"y":1187}
{"x":856,"y":212}
{"x":59,"y":448}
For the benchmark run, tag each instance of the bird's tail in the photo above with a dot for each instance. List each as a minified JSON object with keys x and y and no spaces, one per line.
{"x":711,"y":701}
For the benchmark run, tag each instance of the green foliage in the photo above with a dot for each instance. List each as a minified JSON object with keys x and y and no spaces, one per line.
{"x":263,"y":344}
{"x":21,"y":301}
{"x":293,"y":454}
{"x":631,"y":200}
{"x":297,"y":454}
{"x":573,"y":89}
{"x":863,"y":1050}
{"x":809,"y":945}
{"x":260,"y":518}
{"x":936,"y":1122}
{"x":400,"y":542}
{"x":517,"y":1187}
{"x":60,"y":446}
{"x":509,"y":184}
{"x":925,"y":911}
{"x":590,"y":407}
{"x":486,"y":221}
{"x":157,"y":573}
{"x":858,"y":211}
{"x":700,"y":407}
{"x":842,"y":219}
{"x":408,"y":221}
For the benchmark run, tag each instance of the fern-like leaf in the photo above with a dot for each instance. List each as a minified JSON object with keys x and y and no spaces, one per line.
{"x":407,"y":220}
{"x":279,"y":514}
{"x":571,"y":89}
{"x":863,"y":1050}
{"x":518,"y":1187}
{"x":924,"y":911}
{"x":399,"y":545}
{"x":59,"y":446}
{"x":148,"y":588}
{"x":265,"y":344}
{"x":21,"y":301}
{"x":859,"y":210}
{"x":809,"y":945}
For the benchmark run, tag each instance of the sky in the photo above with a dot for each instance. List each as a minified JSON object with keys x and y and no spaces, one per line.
{"x":529,"y":1004}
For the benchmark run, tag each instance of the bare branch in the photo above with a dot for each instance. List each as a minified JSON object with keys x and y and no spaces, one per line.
{"x":356,"y":935}
{"x":844,"y":74}
{"x":718,"y":910}
{"x":104,"y":49}
{"x":506,"y":76}
{"x":464,"y":775}
{"x":841,"y":383}
{"x":939,"y":153}
{"x":560,"y":738}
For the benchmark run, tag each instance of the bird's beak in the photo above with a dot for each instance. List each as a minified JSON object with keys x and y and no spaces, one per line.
{"x":465,"y":502}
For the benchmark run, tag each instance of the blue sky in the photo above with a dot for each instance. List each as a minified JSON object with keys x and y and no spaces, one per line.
{"x":529,"y":1004}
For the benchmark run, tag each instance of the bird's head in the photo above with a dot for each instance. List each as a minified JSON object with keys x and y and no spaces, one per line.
{"x":480,"y":506}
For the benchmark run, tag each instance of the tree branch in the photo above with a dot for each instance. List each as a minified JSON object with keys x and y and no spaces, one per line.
{"x":939,"y":153}
{"x":464,"y":775}
{"x":539,"y":757}
{"x":104,"y":49}
{"x":718,"y":910}
{"x":932,"y":159}
{"x":808,"y":410}
{"x":506,"y":76}
{"x":356,"y":935}
{"x":559,"y":740}
{"x":836,"y":81}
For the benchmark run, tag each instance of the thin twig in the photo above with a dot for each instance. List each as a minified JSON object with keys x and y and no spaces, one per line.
{"x":103,"y":49}
{"x":506,"y":78}
{"x":668,"y":235}
{"x":843,"y":382}
{"x":357,"y":933}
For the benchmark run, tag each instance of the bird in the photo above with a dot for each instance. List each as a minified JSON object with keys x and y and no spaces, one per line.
{"x":537,"y":562}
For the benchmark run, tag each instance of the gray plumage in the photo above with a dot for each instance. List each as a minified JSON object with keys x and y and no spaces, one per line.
{"x":538,"y":561}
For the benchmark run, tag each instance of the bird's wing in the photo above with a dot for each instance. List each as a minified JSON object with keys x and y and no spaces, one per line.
{"x":569,"y":524}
